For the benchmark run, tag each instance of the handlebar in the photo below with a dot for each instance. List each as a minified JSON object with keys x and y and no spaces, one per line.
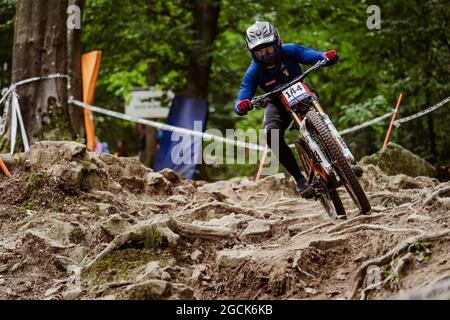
{"x":259,"y":100}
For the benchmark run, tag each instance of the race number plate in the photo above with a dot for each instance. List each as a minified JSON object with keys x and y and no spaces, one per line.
{"x":295,"y":93}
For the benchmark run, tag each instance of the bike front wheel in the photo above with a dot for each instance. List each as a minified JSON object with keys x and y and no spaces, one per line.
{"x":340,"y":163}
{"x":328,"y":195}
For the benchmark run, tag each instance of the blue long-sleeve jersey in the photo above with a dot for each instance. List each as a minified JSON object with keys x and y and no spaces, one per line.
{"x":294,"y":55}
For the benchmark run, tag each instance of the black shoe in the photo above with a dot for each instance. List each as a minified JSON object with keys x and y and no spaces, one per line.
{"x":304,"y":189}
{"x":357,"y":170}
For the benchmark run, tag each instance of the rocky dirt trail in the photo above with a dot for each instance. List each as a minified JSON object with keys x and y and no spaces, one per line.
{"x":80,"y":225}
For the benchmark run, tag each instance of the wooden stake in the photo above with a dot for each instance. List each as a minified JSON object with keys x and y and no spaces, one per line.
{"x":261,"y":164}
{"x":4,"y":168}
{"x":394,"y":116}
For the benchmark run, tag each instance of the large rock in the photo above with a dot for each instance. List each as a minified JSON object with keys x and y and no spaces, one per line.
{"x":72,"y":294}
{"x":182,"y":291}
{"x":152,"y":271}
{"x":374,"y":178}
{"x":69,"y":177}
{"x":45,"y":153}
{"x":395,"y":159}
{"x":59,"y":235}
{"x":149,"y":290}
{"x":115,"y":225}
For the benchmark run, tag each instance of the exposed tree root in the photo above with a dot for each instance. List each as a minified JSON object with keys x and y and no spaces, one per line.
{"x":320,"y":226}
{"x":436,"y":195}
{"x":258,"y":195}
{"x":216,"y":205}
{"x":361,"y":227}
{"x":386,"y":195}
{"x":279,"y":203}
{"x":379,"y":261}
{"x":192,"y":231}
{"x":359,"y":219}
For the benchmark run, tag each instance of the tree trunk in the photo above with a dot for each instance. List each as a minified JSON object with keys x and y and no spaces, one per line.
{"x":428,"y":56}
{"x":151,"y":134}
{"x":76,"y":115}
{"x":206,"y":15}
{"x":40,"y":48}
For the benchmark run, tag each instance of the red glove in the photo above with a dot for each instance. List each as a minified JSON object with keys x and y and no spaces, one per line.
{"x":331,"y":56}
{"x":242,"y":107}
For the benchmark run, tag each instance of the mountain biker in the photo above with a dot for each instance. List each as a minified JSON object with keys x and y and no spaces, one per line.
{"x":275,"y":64}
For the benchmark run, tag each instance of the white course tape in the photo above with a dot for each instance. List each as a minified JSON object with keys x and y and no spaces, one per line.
{"x":398,"y":122}
{"x":22,"y":82}
{"x":366,"y":124}
{"x":11,"y":99}
{"x":166,"y":127}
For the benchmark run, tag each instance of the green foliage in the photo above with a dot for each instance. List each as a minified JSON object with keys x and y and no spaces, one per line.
{"x":356,"y":113}
{"x":421,"y":250}
{"x":120,"y":265}
{"x":7,"y":11}
{"x":369,"y":139}
{"x":35,"y":180}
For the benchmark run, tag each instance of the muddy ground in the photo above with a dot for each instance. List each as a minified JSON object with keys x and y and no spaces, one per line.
{"x":79,"y":225}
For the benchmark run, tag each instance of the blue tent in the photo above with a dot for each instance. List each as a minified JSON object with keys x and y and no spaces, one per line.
{"x":178,"y":152}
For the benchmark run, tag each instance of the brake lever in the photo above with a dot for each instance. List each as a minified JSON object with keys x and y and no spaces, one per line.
{"x":257,"y":104}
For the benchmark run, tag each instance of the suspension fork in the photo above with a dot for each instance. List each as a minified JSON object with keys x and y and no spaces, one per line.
{"x":314,"y":147}
{"x":337,"y":137}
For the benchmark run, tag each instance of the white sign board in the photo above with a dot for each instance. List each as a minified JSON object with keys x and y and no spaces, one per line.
{"x":149,"y":103}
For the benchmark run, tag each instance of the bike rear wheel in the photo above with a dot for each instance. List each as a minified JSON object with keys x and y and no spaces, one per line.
{"x":340,"y":164}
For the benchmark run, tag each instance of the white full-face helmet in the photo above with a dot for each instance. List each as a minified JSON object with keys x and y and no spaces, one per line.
{"x":264,"y":35}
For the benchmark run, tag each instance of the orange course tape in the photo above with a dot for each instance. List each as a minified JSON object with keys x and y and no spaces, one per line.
{"x":90,"y":65}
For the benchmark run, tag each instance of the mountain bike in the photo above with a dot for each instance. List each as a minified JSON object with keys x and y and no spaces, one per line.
{"x":323,"y":154}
